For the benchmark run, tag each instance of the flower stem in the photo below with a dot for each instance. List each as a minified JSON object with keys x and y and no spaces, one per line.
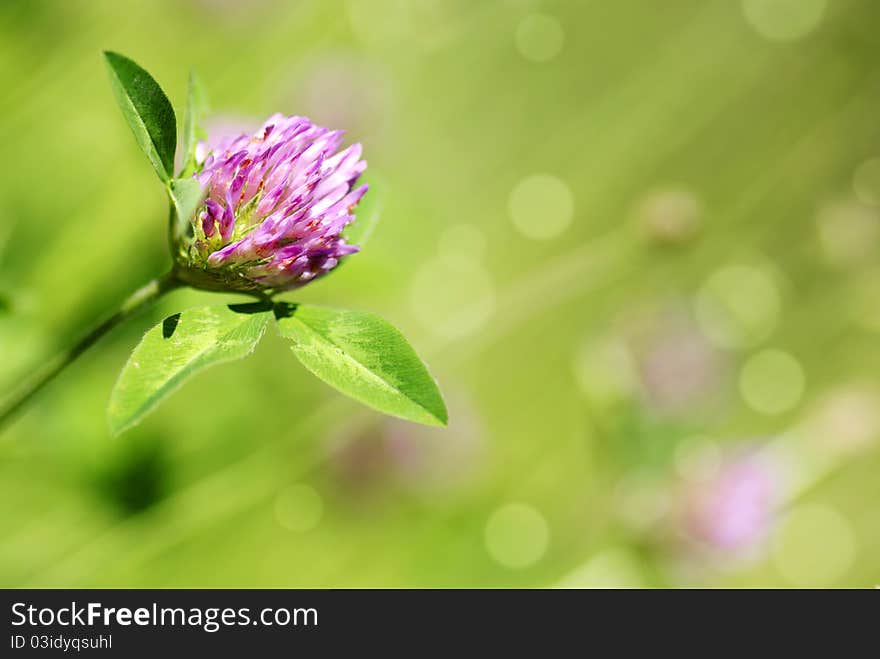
{"x":136,"y":302}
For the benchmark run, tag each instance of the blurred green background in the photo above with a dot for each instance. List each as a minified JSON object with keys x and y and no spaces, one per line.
{"x":637,"y":242}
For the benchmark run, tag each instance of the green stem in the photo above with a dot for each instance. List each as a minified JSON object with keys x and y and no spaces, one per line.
{"x":136,"y":302}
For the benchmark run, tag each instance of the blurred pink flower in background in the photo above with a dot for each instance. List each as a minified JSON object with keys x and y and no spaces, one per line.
{"x":680,"y":372}
{"x":730,"y":511}
{"x":397,"y":453}
{"x":670,"y":216}
{"x":358,"y":458}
